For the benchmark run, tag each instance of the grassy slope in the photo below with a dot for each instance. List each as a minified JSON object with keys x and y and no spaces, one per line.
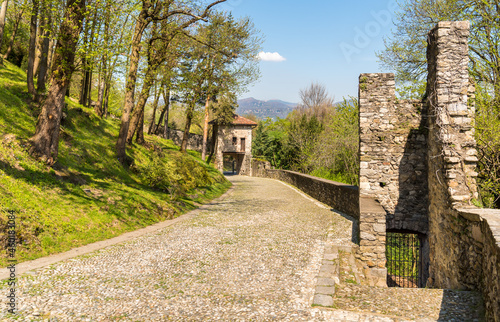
{"x":87,"y":196}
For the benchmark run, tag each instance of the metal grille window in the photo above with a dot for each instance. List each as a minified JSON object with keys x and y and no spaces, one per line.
{"x":404,"y":260}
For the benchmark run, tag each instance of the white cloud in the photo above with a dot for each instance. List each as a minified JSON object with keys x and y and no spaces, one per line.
{"x":271,"y":57}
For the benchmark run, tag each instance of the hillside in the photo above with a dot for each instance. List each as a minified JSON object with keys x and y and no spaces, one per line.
{"x":88,"y":196}
{"x":264,"y":109}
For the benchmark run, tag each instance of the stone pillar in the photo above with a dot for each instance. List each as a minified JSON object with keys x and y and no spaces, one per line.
{"x":376,"y":101}
{"x":376,"y":97}
{"x":452,"y":149}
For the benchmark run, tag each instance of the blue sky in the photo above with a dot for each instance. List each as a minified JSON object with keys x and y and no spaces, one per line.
{"x":329,"y":42}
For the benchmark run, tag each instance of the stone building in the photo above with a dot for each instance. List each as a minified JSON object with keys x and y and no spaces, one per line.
{"x":235,"y":141}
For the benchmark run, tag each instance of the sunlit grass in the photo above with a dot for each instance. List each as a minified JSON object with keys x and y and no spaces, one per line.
{"x":87,"y":196}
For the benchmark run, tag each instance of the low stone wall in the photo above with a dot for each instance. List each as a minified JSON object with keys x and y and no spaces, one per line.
{"x":259,"y":168}
{"x":477,"y":247}
{"x":339,"y":196}
{"x":195,"y":141}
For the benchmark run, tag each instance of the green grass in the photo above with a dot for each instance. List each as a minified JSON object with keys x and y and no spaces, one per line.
{"x":87,"y":195}
{"x":330,"y":175}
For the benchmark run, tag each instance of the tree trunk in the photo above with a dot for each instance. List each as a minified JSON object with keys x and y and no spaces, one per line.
{"x":3,"y":13}
{"x":215,"y":130}
{"x":141,"y":24}
{"x":68,"y":90}
{"x":91,"y":62}
{"x":38,"y":50}
{"x":32,"y":49}
{"x":101,"y":111}
{"x":187,"y":128}
{"x":100,"y":96}
{"x":149,"y":80}
{"x":155,"y":107}
{"x":85,"y":81}
{"x":167,"y":113}
{"x":140,"y":130}
{"x":52,"y":49}
{"x":44,"y":59}
{"x":205,"y":129}
{"x":106,"y":99}
{"x":14,"y":33}
{"x":166,"y":98}
{"x":89,"y":89}
{"x":83,"y":87}
{"x":44,"y":144}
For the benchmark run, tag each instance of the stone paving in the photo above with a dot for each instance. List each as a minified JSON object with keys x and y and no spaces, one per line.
{"x":254,"y":256}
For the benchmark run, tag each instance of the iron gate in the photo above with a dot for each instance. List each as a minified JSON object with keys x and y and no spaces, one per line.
{"x":404,"y":259}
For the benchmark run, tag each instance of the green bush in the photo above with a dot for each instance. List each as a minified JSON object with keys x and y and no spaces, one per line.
{"x":176,"y":176}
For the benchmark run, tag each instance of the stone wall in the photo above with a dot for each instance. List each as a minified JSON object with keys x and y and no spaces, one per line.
{"x":393,"y":168}
{"x":260,"y":167}
{"x":418,"y":160}
{"x":464,"y":241}
{"x":452,"y":153}
{"x":339,"y":196}
{"x":476,"y":245}
{"x":195,"y":141}
{"x":393,"y":153}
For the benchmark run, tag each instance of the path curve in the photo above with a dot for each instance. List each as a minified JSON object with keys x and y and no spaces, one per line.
{"x":253,"y":256}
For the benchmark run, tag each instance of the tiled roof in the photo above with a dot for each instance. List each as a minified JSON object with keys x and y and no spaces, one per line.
{"x":240,"y":120}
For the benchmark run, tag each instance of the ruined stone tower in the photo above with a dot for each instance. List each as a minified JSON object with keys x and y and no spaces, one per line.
{"x":418,"y":161}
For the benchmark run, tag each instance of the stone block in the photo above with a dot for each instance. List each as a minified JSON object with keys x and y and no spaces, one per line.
{"x":379,"y":228}
{"x":331,"y":256}
{"x":471,"y":159}
{"x":327,"y":270}
{"x":326,"y":290}
{"x":379,"y":272}
{"x":323,"y":300}
{"x":367,"y":236}
{"x":325,"y":281}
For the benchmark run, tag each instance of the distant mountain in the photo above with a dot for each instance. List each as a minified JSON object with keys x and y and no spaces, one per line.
{"x":264,"y":109}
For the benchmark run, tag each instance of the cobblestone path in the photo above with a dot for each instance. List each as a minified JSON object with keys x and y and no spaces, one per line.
{"x":253,"y":256}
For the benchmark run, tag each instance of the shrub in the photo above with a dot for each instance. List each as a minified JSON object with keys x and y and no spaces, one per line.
{"x":176,"y":175}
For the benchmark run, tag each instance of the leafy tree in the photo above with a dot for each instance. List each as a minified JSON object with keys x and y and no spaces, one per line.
{"x":336,"y":152}
{"x":405,"y":51}
{"x":271,"y":143}
{"x":19,"y":9}
{"x":231,"y":48}
{"x":150,"y":10}
{"x":488,"y":139}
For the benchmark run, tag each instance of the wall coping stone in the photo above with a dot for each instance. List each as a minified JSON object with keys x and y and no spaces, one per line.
{"x":370,"y":205}
{"x":491,"y":216}
{"x":355,"y":188}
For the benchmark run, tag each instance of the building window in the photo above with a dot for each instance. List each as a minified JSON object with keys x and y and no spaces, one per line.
{"x":243,"y":147}
{"x":235,"y":140}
